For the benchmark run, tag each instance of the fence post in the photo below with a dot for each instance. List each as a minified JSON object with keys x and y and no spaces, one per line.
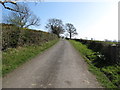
{"x":114,"y":53}
{"x":118,"y":53}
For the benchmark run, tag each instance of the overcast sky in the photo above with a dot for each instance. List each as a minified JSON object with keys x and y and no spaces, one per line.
{"x":98,"y":20}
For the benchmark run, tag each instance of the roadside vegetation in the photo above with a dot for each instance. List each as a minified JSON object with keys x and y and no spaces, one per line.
{"x":22,"y":44}
{"x":107,"y":75}
{"x":19,"y":43}
{"x":14,"y":57}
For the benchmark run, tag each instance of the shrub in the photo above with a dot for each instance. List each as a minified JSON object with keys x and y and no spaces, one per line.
{"x":13,"y":37}
{"x":103,"y":56}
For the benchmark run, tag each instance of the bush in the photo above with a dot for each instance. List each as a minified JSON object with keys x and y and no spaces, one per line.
{"x":111,"y":54}
{"x":93,"y":57}
{"x":13,"y":37}
{"x":113,"y":74}
{"x":101,"y":59}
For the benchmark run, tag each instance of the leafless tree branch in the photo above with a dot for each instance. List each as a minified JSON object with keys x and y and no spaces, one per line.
{"x":23,"y":20}
{"x":13,"y":3}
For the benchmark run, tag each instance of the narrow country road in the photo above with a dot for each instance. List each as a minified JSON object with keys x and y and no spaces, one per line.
{"x":61,"y":66}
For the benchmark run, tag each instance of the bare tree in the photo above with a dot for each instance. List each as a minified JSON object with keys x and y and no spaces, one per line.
{"x":55,"y":26}
{"x":23,"y":20}
{"x":71,"y":30}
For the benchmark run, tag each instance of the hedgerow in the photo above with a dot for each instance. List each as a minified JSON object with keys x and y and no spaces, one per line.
{"x":13,"y":37}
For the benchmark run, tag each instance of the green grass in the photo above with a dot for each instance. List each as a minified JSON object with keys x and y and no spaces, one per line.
{"x":85,"y":52}
{"x":14,"y":57}
{"x":113,"y":73}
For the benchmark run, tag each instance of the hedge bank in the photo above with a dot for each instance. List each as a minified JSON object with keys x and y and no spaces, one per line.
{"x":13,"y":37}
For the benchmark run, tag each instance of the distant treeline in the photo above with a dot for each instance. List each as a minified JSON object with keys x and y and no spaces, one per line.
{"x":110,"y":52}
{"x":13,"y":36}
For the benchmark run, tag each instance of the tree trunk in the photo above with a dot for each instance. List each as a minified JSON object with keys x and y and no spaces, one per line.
{"x":70,"y":35}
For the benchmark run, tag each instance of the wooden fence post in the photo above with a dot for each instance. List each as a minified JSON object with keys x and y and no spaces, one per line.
{"x":118,"y":53}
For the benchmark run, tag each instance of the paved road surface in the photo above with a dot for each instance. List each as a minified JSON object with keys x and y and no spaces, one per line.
{"x":59,"y":67}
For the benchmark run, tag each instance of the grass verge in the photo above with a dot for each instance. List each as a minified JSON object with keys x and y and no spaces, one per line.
{"x":84,"y":51}
{"x":14,"y":57}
